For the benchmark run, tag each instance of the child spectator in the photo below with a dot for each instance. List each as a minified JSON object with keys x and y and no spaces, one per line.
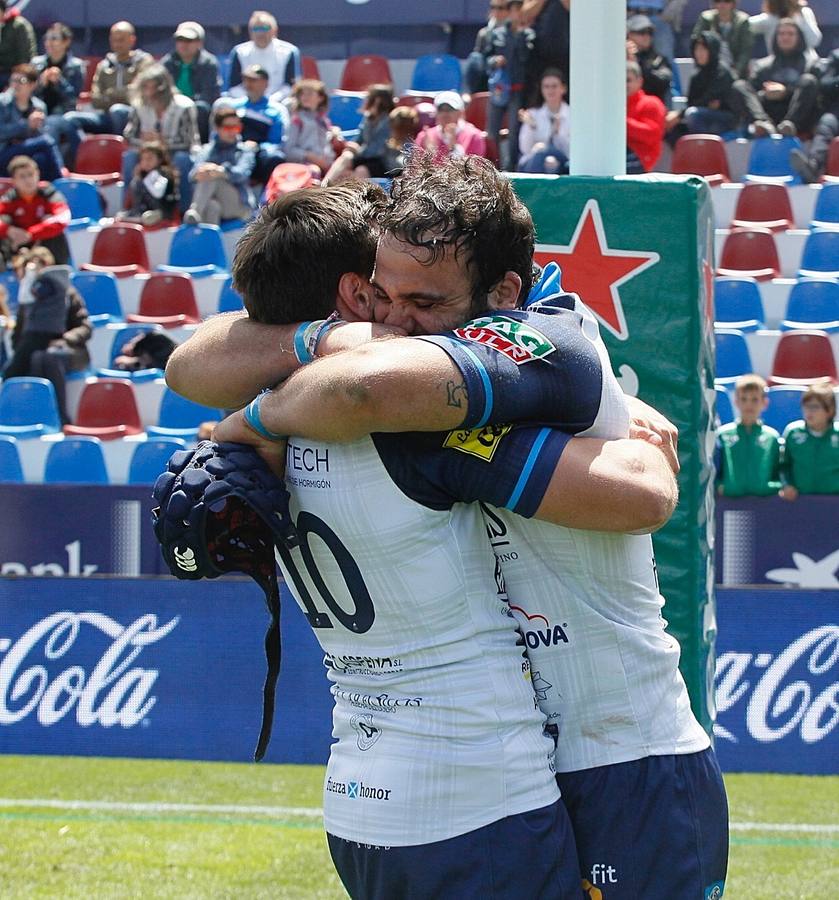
{"x":154,"y":187}
{"x":644,"y":124}
{"x":264,"y":121}
{"x":545,"y":138}
{"x":451,"y":134}
{"x":811,"y":447}
{"x":148,"y":350}
{"x":310,"y":133}
{"x":748,"y":452}
{"x":404,"y":128}
{"x":367,"y":156}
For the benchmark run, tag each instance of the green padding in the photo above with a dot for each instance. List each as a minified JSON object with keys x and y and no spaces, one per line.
{"x":639,"y":251}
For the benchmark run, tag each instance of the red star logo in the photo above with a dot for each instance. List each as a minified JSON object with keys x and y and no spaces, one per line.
{"x":593,"y":270}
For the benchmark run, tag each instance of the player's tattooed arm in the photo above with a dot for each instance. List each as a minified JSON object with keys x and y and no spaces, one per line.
{"x":456,"y":394}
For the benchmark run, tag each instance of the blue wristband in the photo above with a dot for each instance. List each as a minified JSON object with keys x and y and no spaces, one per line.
{"x":301,"y":348}
{"x":254,"y":419}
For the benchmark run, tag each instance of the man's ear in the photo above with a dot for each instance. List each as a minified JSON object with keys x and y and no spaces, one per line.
{"x":355,"y":298}
{"x":505,"y":294}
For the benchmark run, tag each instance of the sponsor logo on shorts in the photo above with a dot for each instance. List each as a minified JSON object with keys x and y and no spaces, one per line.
{"x":376,"y":702}
{"x":518,"y":341}
{"x":363,"y":665}
{"x":357,"y":790}
{"x":366,"y":732}
{"x":480,"y":442}
{"x":714,"y":891}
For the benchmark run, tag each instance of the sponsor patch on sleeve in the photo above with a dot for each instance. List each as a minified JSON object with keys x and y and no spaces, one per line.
{"x":480,"y":442}
{"x":518,"y":341}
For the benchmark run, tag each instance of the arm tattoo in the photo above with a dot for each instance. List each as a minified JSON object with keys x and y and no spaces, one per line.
{"x":456,"y":394}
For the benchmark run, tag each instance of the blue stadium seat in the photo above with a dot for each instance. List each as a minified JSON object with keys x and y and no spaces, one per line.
{"x":196,"y":250}
{"x":150,"y":458}
{"x":229,"y":300}
{"x":121,"y":337}
{"x":820,"y":258}
{"x":83,"y":199}
{"x":28,"y":408}
{"x":9,"y":281}
{"x":738,"y":304}
{"x":733,"y":359}
{"x":725,"y":411}
{"x":436,"y":72}
{"x":77,"y":460}
{"x":826,"y":212}
{"x":180,"y":417}
{"x":813,"y":303}
{"x":225,"y":64}
{"x":784,"y":407}
{"x":769,"y":158}
{"x":101,"y":296}
{"x":10,"y":470}
{"x":345,"y":112}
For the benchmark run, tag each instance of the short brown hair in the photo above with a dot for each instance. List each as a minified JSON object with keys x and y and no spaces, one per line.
{"x":22,"y":162}
{"x":750,"y":382}
{"x":823,"y":394}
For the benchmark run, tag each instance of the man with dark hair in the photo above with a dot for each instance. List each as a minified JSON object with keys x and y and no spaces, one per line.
{"x":655,"y":68}
{"x":264,"y":121}
{"x":812,"y":163}
{"x":17,"y":41}
{"x":22,"y":120}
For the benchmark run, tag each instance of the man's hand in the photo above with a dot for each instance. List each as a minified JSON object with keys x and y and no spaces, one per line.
{"x":18,"y":236}
{"x":788,"y":492}
{"x":648,"y":424}
{"x":235,"y":430}
{"x":35,"y":120}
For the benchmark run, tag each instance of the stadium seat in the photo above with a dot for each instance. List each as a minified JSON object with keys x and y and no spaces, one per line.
{"x":10,"y":468}
{"x":820,"y":258}
{"x":803,"y":357}
{"x":813,"y":304}
{"x":229,"y":300}
{"x":167,"y":299}
{"x":826,"y":212}
{"x":287,"y":177}
{"x":763,"y":204}
{"x":101,"y":296}
{"x":476,"y":111}
{"x":784,"y":407}
{"x":120,"y":250}
{"x":77,"y":460}
{"x":831,"y":171}
{"x":363,"y":70}
{"x":701,"y":154}
{"x":180,"y":417}
{"x":725,"y":411}
{"x":769,"y":158}
{"x":8,"y":280}
{"x":90,"y":63}
{"x":99,"y":158}
{"x":415,"y":99}
{"x":436,"y":72}
{"x":738,"y":304}
{"x":150,"y":458}
{"x":750,"y":253}
{"x":733,"y":359}
{"x":107,"y":410}
{"x":123,"y":335}
{"x":345,"y":112}
{"x":28,"y":407}
{"x":310,"y":68}
{"x":86,"y":207}
{"x":196,"y":250}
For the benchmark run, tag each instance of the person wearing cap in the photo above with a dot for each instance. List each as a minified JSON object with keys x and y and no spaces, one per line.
{"x":195,"y":71}
{"x":451,"y":133}
{"x":280,"y":59}
{"x":264,"y":121}
{"x":666,"y":16}
{"x":640,"y":48}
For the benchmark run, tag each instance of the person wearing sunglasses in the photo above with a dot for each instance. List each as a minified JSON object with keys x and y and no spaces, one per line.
{"x":735,"y":33}
{"x":280,"y":59}
{"x":17,"y":41}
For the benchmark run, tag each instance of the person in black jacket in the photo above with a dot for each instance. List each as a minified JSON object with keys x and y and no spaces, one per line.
{"x":195,"y":72}
{"x":811,"y":165}
{"x":475,"y":72}
{"x":655,"y":69}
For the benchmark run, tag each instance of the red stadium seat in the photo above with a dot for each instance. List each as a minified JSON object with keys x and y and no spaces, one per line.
{"x":107,"y":410}
{"x":763,"y":205}
{"x":750,"y":253}
{"x":803,"y":357}
{"x":701,"y":154}
{"x":99,"y":158}
{"x":167,"y":299}
{"x":310,"y":67}
{"x":91,"y":62}
{"x":362,"y":71}
{"x":492,"y":153}
{"x":476,"y":111}
{"x":121,"y":250}
{"x":831,"y":172}
{"x":413,"y":99}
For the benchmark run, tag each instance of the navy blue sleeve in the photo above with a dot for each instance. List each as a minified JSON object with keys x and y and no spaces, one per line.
{"x":523,"y":366}
{"x":500,"y":465}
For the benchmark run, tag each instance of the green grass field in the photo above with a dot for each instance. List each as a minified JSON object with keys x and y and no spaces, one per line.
{"x":73,"y":827}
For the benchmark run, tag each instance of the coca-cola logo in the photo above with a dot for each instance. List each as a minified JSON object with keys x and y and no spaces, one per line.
{"x":795,"y":690}
{"x":111,"y":693}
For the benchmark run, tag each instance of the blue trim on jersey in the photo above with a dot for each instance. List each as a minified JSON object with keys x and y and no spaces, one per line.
{"x":489,"y":397}
{"x":527,"y":470}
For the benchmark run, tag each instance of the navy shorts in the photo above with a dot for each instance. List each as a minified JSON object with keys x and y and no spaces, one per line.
{"x":531,"y":855}
{"x":652,"y":828}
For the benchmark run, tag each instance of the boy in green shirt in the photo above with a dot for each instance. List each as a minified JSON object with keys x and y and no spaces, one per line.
{"x":811,"y":447}
{"x":748,"y":452}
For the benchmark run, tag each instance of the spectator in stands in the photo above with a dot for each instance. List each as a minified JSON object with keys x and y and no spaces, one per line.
{"x":111,"y":81}
{"x":451,"y":133}
{"x":310,"y":133}
{"x":147,"y":350}
{"x":22,"y":120}
{"x":666,"y":16}
{"x":812,"y":164}
{"x":511,"y":46}
{"x":551,"y":23}
{"x":52,"y":327}
{"x":159,"y":113}
{"x":748,"y":452}
{"x":17,"y":41}
{"x":404,"y":128}
{"x":644,"y":123}
{"x":222,"y":172}
{"x":475,"y":72}
{"x":782,"y":94}
{"x":264,"y":121}
{"x":810,"y":462}
{"x":367,"y":157}
{"x":280,"y":59}
{"x":195,"y":72}
{"x":7,"y":324}
{"x":710,"y":107}
{"x":766,"y":23}
{"x":640,"y":48}
{"x":735,"y":33}
{"x":154,"y":187}
{"x":545,"y":138}
{"x":32,"y":213}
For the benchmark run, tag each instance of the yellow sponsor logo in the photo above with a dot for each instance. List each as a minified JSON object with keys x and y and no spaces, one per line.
{"x":480,"y":442}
